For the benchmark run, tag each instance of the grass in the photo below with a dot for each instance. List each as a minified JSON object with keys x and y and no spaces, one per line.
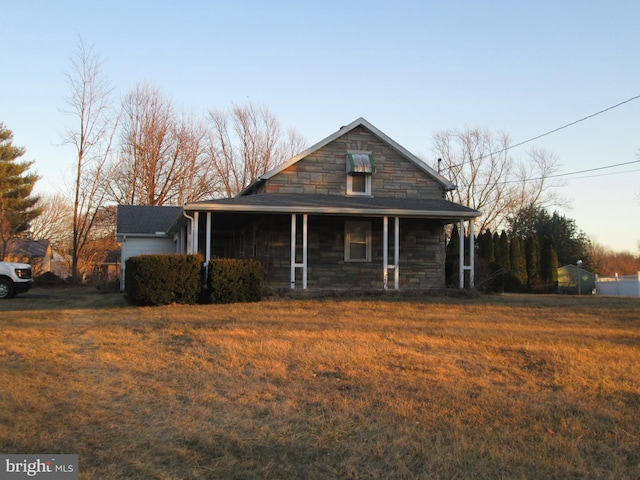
{"x":389,"y":387}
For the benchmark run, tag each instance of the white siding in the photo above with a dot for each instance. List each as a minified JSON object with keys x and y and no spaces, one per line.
{"x":132,"y":247}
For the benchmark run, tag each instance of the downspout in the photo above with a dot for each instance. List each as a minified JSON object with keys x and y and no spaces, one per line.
{"x":189,"y":234}
{"x":192,"y":247}
{"x":122,"y":261}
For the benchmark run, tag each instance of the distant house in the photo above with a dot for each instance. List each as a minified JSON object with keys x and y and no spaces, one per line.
{"x":37,"y":253}
{"x":575,"y":280}
{"x":356,"y":210}
{"x":109,"y":270}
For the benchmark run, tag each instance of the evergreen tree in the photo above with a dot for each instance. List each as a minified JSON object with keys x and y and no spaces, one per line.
{"x":17,"y":206}
{"x":518,"y":263}
{"x":549,"y":264}
{"x":452,"y":257}
{"x":570,"y":243}
{"x":485,"y":246}
{"x":532,"y":253}
{"x":504,"y":251}
{"x":497,"y":253}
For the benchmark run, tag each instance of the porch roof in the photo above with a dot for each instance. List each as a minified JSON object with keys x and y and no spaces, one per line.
{"x":336,"y":205}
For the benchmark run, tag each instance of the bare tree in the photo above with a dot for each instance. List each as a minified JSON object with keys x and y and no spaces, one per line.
{"x":162,"y":159}
{"x":89,"y":101}
{"x":53,"y":223}
{"x":246,"y":143}
{"x":489,"y":179}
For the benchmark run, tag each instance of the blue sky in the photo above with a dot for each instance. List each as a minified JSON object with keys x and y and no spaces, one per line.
{"x":411,"y":68}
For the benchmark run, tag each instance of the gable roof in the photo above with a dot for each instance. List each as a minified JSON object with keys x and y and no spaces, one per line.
{"x":29,"y":248}
{"x":360,"y":122}
{"x":145,"y":220}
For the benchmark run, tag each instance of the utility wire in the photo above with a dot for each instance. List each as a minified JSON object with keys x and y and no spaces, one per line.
{"x":604,"y":175}
{"x":565,"y":126}
{"x":592,"y":169}
{"x":550,"y":131}
{"x":573,"y":173}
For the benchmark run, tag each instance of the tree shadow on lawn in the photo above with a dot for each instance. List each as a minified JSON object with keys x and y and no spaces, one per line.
{"x":63,"y":298}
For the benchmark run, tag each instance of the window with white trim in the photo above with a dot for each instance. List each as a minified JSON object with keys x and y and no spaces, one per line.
{"x":357,"y":242}
{"x":360,"y":167}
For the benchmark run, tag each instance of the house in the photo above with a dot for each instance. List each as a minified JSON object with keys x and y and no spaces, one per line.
{"x":37,"y":253}
{"x":109,"y":270}
{"x":356,"y":210}
{"x":575,"y":280}
{"x":143,"y":230}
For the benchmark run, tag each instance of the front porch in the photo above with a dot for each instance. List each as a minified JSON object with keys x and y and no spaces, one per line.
{"x":310,"y":250}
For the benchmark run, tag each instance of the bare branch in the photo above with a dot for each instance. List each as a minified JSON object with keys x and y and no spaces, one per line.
{"x":489,"y":179}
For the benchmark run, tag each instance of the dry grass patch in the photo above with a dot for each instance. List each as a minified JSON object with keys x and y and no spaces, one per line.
{"x":493,"y":387}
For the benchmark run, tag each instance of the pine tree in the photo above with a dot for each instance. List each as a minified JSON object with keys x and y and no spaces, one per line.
{"x":532,"y":253}
{"x":17,"y":206}
{"x":549,"y":264}
{"x":485,"y":246}
{"x":452,"y":260}
{"x":504,"y":252}
{"x":518,"y":262}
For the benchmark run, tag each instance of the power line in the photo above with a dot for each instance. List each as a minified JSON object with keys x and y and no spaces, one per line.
{"x":565,"y":126}
{"x":593,"y":169}
{"x":549,"y":132}
{"x":604,"y":175}
{"x":558,"y":175}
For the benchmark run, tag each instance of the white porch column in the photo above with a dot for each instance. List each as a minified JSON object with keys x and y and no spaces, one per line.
{"x":293,"y":251}
{"x":462,"y":266}
{"x":396,"y":255}
{"x":461,"y":254}
{"x":207,"y":256}
{"x":385,"y":253}
{"x":194,"y":235}
{"x":303,"y":265}
{"x":472,"y":254}
{"x":304,"y":250}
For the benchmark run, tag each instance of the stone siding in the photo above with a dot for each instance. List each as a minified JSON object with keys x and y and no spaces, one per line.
{"x":422,"y":250}
{"x":324,"y":171}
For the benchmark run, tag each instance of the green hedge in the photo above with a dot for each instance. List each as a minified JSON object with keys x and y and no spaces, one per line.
{"x":163,"y":279}
{"x":232,"y":280}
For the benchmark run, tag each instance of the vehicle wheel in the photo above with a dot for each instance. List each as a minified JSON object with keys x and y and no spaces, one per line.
{"x":6,"y":288}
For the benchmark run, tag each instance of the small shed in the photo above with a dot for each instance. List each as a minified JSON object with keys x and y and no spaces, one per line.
{"x":575,"y":280}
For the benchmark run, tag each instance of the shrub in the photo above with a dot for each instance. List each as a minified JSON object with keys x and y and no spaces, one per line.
{"x":163,"y":279}
{"x":233,"y":280}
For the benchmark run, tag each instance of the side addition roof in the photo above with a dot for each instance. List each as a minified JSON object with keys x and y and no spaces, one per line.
{"x":145,"y":220}
{"x":360,"y":122}
{"x":29,"y":248}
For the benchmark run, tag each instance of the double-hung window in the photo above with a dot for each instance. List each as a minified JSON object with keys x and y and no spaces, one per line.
{"x":357,"y":242}
{"x":360,"y":167}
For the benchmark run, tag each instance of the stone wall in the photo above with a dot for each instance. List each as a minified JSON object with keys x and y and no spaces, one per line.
{"x":324,"y":171}
{"x":422,"y":250}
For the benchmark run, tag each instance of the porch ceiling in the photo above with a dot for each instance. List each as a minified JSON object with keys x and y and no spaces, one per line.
{"x":337,"y":205}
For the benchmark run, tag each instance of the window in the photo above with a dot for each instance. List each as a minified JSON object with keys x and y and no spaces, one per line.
{"x":358,"y":184}
{"x":360,"y":167}
{"x":357,"y":242}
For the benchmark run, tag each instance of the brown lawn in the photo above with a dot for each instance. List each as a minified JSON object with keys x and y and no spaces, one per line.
{"x":530,"y":387}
